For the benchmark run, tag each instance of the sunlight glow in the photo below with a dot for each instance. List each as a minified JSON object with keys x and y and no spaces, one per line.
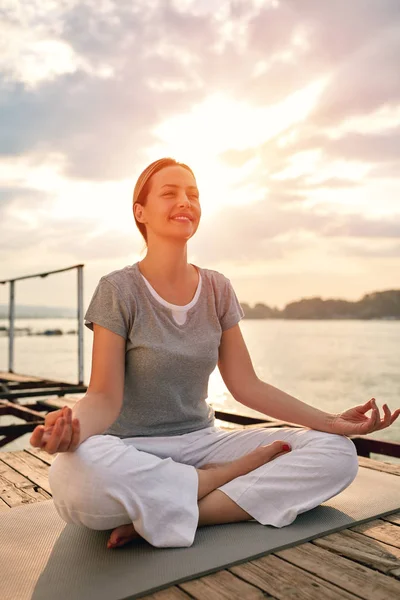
{"x":219,"y":124}
{"x":386,"y":117}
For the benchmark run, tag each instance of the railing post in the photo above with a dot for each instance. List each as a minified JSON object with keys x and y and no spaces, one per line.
{"x":80,"y":324}
{"x":11,"y":328}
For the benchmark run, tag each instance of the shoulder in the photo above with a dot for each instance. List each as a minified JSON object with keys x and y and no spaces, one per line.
{"x":217,"y":279}
{"x":120,"y":278}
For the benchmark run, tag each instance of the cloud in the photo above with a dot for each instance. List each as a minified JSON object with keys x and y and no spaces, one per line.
{"x":366,"y":81}
{"x":134,"y":66}
{"x":121,"y":69}
{"x":372,"y":148}
{"x":265,"y":230}
{"x":386,"y":171}
{"x":16,"y":200}
{"x":366,"y":147}
{"x":350,"y":248}
{"x":103,"y":124}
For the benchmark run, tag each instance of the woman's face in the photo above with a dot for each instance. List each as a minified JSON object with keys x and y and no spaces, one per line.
{"x":173,"y":190}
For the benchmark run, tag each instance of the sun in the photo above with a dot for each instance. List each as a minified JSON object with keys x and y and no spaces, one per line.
{"x":220,"y":123}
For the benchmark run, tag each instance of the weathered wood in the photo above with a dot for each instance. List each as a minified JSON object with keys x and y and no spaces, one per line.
{"x":358,"y":547}
{"x":3,"y":505}
{"x":222,"y":585}
{"x":69,"y":401}
{"x":26,"y":464}
{"x":287,"y":581}
{"x":16,"y":489}
{"x":393,"y":518}
{"x":18,"y":377}
{"x":342,"y":572}
{"x":41,"y":454}
{"x":379,"y":465}
{"x":173,"y":593}
{"x":381,"y":531}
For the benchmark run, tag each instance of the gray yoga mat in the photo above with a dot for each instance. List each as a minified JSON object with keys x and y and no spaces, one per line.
{"x":43,"y":558}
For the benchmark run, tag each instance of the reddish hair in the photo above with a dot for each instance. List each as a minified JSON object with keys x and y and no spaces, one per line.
{"x":143,"y":183}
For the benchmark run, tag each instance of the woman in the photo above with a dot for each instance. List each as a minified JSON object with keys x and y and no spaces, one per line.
{"x":140,"y":453}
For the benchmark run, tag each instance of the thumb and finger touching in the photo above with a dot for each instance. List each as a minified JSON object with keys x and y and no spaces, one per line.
{"x":59,"y":434}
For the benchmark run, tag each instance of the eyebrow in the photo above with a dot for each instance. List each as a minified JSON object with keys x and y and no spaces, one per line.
{"x":190,"y":187}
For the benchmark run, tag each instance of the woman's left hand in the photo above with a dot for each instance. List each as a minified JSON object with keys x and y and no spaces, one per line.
{"x":353,"y":421}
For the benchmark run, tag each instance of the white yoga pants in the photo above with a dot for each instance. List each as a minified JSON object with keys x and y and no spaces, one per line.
{"x":152,"y":482}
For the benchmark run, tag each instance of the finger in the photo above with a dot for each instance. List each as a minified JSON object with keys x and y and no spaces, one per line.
{"x":37,"y":436}
{"x":67,"y":431}
{"x":373,"y":422}
{"x":76,"y":434}
{"x":387,"y":417}
{"x":52,"y":445}
{"x":370,"y":405}
{"x":395,"y":415}
{"x":52,"y":417}
{"x":377,"y":414}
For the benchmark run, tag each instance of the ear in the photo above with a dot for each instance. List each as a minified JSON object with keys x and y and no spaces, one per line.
{"x":139,"y":212}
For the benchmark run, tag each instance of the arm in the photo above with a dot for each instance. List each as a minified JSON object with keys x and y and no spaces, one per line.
{"x":238,"y":373}
{"x":95,"y":413}
{"x":100,"y":406}
{"x":102,"y":403}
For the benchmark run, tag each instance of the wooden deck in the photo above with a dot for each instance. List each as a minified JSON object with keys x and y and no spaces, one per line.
{"x":359,"y":562}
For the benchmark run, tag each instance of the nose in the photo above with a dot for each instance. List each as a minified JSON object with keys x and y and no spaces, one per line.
{"x":184,"y":201}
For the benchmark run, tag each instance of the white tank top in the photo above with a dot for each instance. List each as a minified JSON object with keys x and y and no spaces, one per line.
{"x":179,"y":313}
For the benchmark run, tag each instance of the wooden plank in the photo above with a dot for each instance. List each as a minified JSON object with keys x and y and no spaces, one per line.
{"x":16,"y":497}
{"x":18,"y":377}
{"x":3,"y":505}
{"x":352,"y":577}
{"x":9,"y":476}
{"x":379,"y":530}
{"x":60,"y":402}
{"x":15,"y":489}
{"x":379,"y":465}
{"x":173,"y":593}
{"x":393,"y":518}
{"x":358,"y":547}
{"x":288,"y":582}
{"x":40,"y":454}
{"x":222,"y":585}
{"x":33,"y":469}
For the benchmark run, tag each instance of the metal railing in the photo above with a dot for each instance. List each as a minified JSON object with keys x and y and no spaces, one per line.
{"x":80,"y":316}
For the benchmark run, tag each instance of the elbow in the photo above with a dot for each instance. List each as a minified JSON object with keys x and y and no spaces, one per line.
{"x":249,"y":391}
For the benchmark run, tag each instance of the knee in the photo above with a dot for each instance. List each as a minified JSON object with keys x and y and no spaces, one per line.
{"x":72,"y":477}
{"x":346,"y":458}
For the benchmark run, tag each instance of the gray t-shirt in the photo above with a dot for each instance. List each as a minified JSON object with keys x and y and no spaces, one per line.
{"x":167,"y":364}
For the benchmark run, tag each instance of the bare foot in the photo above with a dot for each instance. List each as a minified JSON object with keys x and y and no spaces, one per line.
{"x":254,"y":458}
{"x":220,"y":473}
{"x":227,"y":471}
{"x":122,"y":535}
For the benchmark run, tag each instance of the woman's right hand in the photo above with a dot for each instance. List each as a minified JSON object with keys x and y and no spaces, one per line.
{"x":59,"y":434}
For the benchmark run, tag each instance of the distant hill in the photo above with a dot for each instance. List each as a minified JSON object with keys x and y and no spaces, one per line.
{"x":38,"y":312}
{"x":377,"y":305}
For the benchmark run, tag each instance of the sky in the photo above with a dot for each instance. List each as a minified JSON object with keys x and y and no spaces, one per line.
{"x":288,"y":112}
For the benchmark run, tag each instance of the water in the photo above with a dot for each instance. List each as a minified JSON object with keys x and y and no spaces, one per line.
{"x":332,"y":365}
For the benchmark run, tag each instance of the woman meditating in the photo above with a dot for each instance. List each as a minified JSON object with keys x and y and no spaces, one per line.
{"x":140,"y":453}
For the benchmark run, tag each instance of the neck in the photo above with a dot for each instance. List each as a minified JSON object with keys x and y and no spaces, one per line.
{"x":166,"y":262}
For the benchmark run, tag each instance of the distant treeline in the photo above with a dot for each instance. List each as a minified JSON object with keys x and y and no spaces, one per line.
{"x":378,"y":305}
